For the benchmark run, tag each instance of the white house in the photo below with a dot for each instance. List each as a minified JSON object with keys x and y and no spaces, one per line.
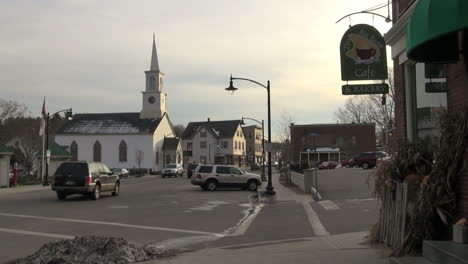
{"x":214,"y":142}
{"x":123,"y":140}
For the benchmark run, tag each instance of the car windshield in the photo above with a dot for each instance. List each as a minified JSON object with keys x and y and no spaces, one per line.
{"x":171,"y":166}
{"x":116,"y":170}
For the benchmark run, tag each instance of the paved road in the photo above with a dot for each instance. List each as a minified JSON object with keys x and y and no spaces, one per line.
{"x":347,"y":203}
{"x":152,"y":210}
{"x":148,"y":210}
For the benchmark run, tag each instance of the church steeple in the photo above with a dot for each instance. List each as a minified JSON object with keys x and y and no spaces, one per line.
{"x":154,"y":57}
{"x":154,"y":97}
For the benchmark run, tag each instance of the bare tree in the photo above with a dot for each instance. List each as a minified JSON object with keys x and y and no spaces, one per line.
{"x":179,"y":130}
{"x":284,"y":138}
{"x":369,"y":109}
{"x":12,"y":109}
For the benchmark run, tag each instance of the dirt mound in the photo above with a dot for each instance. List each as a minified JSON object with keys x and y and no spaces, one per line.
{"x":93,"y":250}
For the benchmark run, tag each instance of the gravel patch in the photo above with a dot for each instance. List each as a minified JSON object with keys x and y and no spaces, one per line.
{"x":94,"y":250}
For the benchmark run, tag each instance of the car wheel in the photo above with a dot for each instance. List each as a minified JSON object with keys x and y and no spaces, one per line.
{"x":116,"y":189}
{"x":163,"y":176}
{"x":211,"y":185}
{"x":61,"y":195}
{"x":252,"y":185}
{"x":97,"y":192}
{"x":365,"y":165}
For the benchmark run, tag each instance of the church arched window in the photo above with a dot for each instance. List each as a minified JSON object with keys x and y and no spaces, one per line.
{"x":97,"y":151}
{"x":74,"y":151}
{"x":122,"y":151}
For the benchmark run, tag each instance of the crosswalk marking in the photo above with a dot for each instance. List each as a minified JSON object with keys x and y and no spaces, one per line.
{"x":329,"y":205}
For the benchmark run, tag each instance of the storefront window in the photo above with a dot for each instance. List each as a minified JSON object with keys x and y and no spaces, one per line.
{"x":426,"y":97}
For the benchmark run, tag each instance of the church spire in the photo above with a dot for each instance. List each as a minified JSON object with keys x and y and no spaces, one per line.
{"x":154,"y":57}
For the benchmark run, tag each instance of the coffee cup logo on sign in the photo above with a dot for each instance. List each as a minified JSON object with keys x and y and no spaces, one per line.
{"x":363,"y":51}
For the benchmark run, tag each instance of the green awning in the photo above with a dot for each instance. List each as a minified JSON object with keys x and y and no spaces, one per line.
{"x":432,"y":32}
{"x":5,"y":150}
{"x":57,"y":151}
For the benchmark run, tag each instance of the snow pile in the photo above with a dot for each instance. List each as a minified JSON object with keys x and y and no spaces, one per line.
{"x":94,"y":250}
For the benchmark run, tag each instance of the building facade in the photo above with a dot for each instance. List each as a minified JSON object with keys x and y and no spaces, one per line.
{"x":123,"y":140}
{"x":430,"y":76}
{"x":214,"y":142}
{"x":331,"y":142}
{"x":253,"y":140}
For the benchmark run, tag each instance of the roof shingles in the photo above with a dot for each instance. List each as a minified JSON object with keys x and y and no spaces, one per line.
{"x":109,"y":123}
{"x":222,"y":129}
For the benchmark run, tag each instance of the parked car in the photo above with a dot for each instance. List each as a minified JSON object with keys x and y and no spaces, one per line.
{"x":190,"y":168}
{"x":328,"y":165}
{"x":344,"y":163}
{"x":121,"y":172}
{"x":210,"y":177}
{"x":82,"y":177}
{"x":172,"y":170}
{"x":368,"y":160}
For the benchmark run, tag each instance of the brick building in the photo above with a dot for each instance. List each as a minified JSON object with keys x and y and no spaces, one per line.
{"x":430,"y":69}
{"x":334,"y":141}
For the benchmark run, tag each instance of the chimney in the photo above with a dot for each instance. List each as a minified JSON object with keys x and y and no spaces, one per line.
{"x":208,"y":119}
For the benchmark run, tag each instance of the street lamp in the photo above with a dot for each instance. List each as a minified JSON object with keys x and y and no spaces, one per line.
{"x":263,"y":143}
{"x":315,"y":163}
{"x":69,"y":116}
{"x":231,"y":89}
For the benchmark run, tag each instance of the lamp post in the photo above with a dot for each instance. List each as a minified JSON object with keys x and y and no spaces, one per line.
{"x":231,"y":89}
{"x":68,"y":115}
{"x":315,"y":164}
{"x":263,"y":143}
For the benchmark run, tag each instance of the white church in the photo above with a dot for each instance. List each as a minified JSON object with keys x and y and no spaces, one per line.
{"x":124,"y":140}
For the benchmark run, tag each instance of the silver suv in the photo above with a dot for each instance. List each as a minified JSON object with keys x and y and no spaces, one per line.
{"x":210,"y":177}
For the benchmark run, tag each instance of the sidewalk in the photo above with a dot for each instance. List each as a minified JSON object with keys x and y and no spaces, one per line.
{"x":336,"y":249}
{"x":323,"y":248}
{"x":23,"y":189}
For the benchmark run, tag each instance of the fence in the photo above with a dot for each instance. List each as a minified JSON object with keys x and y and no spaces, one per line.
{"x":393,"y":215}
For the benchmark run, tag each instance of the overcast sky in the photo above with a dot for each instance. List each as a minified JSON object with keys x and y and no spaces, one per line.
{"x":91,"y":55}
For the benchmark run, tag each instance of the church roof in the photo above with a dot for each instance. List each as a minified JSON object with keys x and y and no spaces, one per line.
{"x":220,"y":129}
{"x":109,"y":123}
{"x":171,"y":143}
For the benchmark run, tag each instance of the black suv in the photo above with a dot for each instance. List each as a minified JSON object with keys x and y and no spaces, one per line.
{"x":81,"y":177}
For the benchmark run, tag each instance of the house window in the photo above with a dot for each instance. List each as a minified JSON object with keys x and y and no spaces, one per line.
{"x":203,"y":133}
{"x":97,"y":151}
{"x":74,"y":151}
{"x":189,"y":145}
{"x":242,"y":145}
{"x":122,"y":151}
{"x":203,"y":144}
{"x":224,"y":144}
{"x":339,"y":141}
{"x":235,"y":144}
{"x":203,"y":159}
{"x":250,"y":134}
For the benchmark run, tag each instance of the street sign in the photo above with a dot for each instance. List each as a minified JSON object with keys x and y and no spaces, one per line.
{"x":376,"y":88}
{"x":363,"y":54}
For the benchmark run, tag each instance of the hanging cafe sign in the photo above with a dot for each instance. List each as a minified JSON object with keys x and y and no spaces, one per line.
{"x":363,"y":57}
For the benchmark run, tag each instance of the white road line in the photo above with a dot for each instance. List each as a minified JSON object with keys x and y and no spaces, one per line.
{"x":360,"y":200}
{"x":268,"y":242}
{"x":329,"y":205}
{"x":113,"y":224}
{"x":31,"y":233}
{"x":314,"y":220}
